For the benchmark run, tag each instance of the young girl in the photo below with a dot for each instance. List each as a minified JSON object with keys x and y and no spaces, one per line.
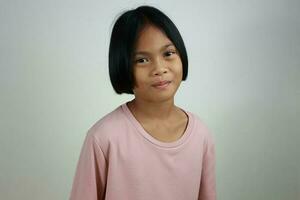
{"x":148,"y":148}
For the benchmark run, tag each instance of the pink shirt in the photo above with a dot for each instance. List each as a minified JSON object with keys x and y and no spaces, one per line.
{"x":119,"y":160}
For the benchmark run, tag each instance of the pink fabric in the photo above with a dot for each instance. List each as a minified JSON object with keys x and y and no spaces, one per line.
{"x":119,"y":160}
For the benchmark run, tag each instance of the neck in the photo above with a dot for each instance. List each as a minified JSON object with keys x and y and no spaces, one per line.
{"x":152,"y":110}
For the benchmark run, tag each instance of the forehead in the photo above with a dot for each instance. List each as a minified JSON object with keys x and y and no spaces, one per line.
{"x":151,"y":38}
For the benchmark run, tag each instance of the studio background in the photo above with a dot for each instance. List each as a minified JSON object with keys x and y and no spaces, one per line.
{"x":243,"y":82}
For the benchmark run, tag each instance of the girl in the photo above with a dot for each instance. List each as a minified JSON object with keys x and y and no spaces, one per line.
{"x":148,"y":148}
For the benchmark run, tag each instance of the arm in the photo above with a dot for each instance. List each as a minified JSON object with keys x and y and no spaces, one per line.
{"x":90,"y":177}
{"x":208,"y":182}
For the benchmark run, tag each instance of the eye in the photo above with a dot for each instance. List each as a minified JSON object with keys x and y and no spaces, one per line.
{"x":169,"y":53}
{"x":141,"y":60}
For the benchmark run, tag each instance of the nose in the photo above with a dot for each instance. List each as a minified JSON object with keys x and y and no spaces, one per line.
{"x":160,"y":68}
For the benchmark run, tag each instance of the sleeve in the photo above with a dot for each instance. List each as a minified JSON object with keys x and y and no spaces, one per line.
{"x":208,"y":181}
{"x":90,"y":176}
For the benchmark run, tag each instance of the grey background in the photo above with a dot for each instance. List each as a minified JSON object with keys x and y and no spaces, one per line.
{"x":244,"y":80}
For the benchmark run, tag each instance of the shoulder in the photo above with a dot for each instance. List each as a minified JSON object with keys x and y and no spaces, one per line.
{"x":204,"y":135}
{"x":200,"y":127}
{"x":108,"y":128}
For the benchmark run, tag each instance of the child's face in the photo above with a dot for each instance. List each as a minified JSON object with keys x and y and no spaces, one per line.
{"x":157,"y":66}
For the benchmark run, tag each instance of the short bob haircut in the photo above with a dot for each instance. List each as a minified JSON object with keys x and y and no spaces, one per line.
{"x":123,"y":39}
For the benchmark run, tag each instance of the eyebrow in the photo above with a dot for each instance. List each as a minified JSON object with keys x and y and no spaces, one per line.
{"x":145,"y":52}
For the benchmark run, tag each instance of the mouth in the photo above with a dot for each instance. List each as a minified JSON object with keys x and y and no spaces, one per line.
{"x":161,"y":84}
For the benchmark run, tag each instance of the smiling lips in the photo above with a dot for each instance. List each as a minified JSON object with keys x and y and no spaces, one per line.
{"x":161,"y":84}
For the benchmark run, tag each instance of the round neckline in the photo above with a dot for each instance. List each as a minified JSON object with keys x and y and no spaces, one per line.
{"x":155,"y":141}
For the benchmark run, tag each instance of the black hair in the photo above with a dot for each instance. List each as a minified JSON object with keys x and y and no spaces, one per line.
{"x":123,"y":39}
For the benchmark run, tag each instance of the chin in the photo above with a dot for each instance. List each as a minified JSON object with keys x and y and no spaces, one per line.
{"x":162,"y":97}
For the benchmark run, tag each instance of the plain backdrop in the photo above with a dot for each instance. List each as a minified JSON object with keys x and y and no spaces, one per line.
{"x":243,"y":82}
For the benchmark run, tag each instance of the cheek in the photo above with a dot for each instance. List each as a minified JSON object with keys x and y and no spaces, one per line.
{"x":177,"y":65}
{"x":141,"y":76}
{"x":139,"y":81}
{"x":178,"y":71}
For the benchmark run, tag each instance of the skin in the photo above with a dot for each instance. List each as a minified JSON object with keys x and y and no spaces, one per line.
{"x":156,"y":61}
